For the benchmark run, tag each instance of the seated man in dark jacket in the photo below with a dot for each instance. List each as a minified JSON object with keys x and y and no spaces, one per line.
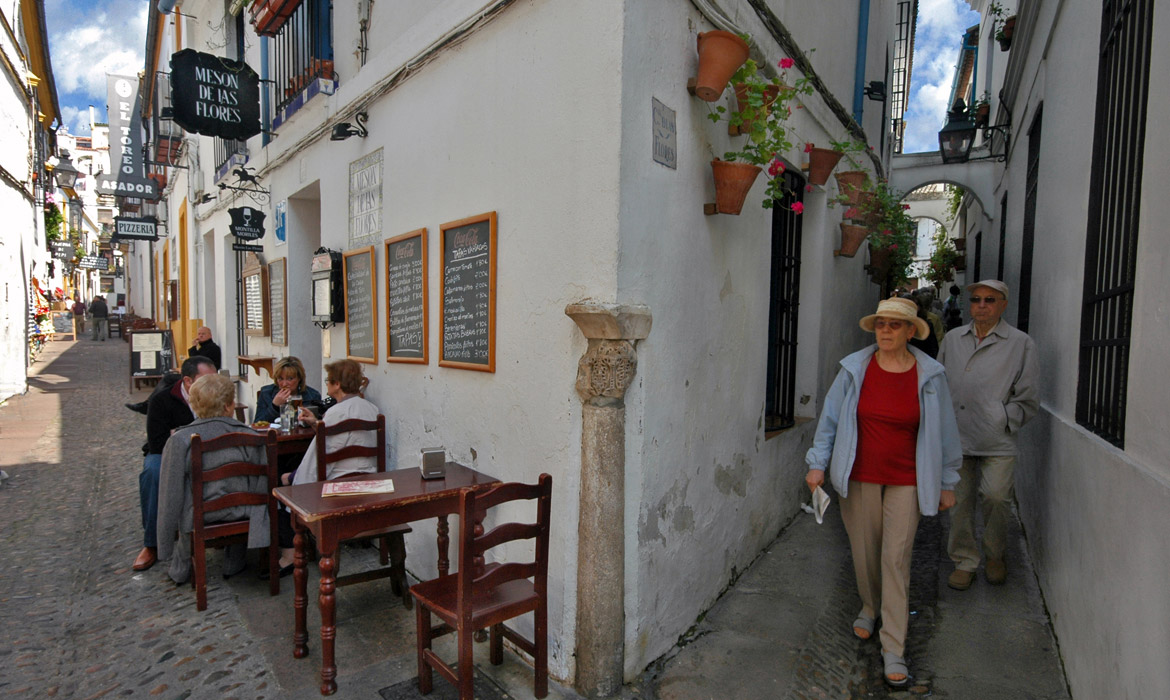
{"x":205,"y":347}
{"x":167,"y":409}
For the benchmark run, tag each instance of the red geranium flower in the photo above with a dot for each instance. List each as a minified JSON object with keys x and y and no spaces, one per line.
{"x":786,"y":63}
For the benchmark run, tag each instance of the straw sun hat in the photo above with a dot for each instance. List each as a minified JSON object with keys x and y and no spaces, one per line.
{"x":901,"y":310}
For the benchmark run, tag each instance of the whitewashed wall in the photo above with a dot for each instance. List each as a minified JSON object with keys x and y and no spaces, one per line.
{"x":706,"y":489}
{"x":1095,"y":516}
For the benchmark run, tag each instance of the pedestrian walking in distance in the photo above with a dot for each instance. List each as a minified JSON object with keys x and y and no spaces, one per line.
{"x":991,"y":367}
{"x":888,"y":438}
{"x":99,"y":314}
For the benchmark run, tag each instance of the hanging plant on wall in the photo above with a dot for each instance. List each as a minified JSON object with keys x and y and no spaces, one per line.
{"x":943,"y":261}
{"x":764,"y":105}
{"x":892,"y":238}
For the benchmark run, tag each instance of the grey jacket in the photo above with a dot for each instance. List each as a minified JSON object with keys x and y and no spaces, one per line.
{"x":993,"y":386}
{"x":175,"y":508}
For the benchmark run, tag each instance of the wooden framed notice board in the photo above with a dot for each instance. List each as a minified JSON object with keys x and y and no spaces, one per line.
{"x":468,"y":317}
{"x":361,"y":323}
{"x":255,"y":283}
{"x":277,"y":303}
{"x":152,"y":354}
{"x":406,"y":297}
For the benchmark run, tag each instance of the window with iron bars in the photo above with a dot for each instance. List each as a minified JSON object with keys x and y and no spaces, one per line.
{"x":302,"y":51}
{"x":900,"y":76}
{"x":1111,"y":242}
{"x":783,"y":305}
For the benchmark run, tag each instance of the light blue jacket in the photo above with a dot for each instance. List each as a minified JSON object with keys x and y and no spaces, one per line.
{"x":938,"y":453}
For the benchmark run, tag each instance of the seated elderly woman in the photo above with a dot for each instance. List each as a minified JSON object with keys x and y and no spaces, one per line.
{"x":343,"y":383}
{"x":213,"y":403}
{"x":288,"y":376}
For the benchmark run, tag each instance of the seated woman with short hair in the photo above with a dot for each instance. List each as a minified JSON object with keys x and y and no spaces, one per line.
{"x":288,"y":380}
{"x":213,"y":401}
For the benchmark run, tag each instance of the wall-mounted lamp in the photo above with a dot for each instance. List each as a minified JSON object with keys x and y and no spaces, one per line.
{"x":205,"y":199}
{"x":957,"y":137}
{"x":876,"y":91}
{"x":343,"y":130}
{"x":65,"y":174}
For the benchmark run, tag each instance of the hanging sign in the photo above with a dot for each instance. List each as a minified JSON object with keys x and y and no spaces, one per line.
{"x":125,"y":116}
{"x":214,"y":96}
{"x":144,"y":229}
{"x":247,"y":223}
{"x":94,"y":262}
{"x":62,"y":250}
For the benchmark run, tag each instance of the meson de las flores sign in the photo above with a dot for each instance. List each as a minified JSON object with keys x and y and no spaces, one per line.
{"x":214,"y":96}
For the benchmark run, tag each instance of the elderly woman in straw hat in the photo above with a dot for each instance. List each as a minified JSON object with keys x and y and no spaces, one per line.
{"x":888,"y":438}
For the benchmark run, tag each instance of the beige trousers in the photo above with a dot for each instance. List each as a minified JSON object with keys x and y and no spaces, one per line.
{"x":881,"y":522}
{"x":996,"y":484}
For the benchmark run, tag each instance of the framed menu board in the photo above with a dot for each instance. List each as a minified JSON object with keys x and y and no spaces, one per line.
{"x":255,"y":282}
{"x":152,"y":354}
{"x":406,"y":297}
{"x":361,"y":323}
{"x":468,"y":317}
{"x":277,"y":303}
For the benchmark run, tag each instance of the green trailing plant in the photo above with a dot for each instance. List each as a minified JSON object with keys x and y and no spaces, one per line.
{"x":849,"y":148}
{"x":954,"y":201}
{"x":892,"y":232}
{"x":53,"y":221}
{"x":765,"y":103}
{"x":995,"y":12}
{"x":940,"y":269}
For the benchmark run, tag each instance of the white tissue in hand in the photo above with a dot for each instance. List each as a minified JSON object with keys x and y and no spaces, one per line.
{"x":820,"y":504}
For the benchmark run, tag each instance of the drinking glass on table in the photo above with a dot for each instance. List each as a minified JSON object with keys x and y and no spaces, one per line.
{"x":296,"y":404}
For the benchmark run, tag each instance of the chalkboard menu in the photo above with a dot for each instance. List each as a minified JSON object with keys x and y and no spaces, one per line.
{"x":406,"y":297}
{"x":152,"y":354}
{"x":468,"y":339}
{"x":361,"y":323}
{"x":277,"y":303}
{"x":255,"y":284}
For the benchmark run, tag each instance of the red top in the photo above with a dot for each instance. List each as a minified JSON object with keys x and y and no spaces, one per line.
{"x":887,"y":427}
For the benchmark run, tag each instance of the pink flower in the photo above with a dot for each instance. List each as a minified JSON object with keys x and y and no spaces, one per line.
{"x":905,"y":206}
{"x":893,"y":246}
{"x":808,"y":188}
{"x":786,"y":63}
{"x":851,"y":213}
{"x":797,"y":208}
{"x":808,"y":148}
{"x":775,"y":168}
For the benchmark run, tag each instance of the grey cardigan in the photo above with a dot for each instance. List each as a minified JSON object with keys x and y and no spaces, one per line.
{"x":175,"y":509}
{"x":993,"y":386}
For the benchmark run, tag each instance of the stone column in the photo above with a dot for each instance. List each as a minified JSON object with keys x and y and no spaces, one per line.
{"x":603,"y":375}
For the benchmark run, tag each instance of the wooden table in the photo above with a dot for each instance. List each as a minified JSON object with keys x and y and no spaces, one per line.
{"x":295,"y":442}
{"x":332,"y":520}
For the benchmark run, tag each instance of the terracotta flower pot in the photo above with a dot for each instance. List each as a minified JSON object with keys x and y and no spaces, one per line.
{"x":982,"y":114}
{"x":771,"y":92}
{"x":1005,"y":38}
{"x":851,"y":239}
{"x":868,"y":213}
{"x":879,"y":260}
{"x":720,"y":55}
{"x":732,"y":183}
{"x":851,"y":184}
{"x":821,"y":162}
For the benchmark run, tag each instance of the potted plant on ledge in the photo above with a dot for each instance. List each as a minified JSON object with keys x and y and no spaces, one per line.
{"x":891,"y":240}
{"x":943,"y":262}
{"x":764,"y":105}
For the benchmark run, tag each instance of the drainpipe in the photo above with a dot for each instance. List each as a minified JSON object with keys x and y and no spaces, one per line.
{"x":859,"y":65}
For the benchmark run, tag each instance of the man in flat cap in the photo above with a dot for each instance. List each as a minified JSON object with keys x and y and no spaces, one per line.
{"x":992,"y":372}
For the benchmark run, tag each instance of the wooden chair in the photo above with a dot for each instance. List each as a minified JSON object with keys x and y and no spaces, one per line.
{"x":391,"y":540}
{"x":478,"y":597}
{"x":114,"y":326}
{"x":218,"y":534}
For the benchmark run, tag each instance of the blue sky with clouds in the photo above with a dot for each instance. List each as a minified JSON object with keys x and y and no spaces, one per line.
{"x":937,"y":39}
{"x":87,"y":39}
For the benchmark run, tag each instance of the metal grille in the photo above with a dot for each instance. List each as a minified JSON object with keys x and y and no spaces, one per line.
{"x":784,"y":303}
{"x":900,"y":77}
{"x":1111,"y":241}
{"x":226,"y":148}
{"x":978,"y":256}
{"x":303,"y":51}
{"x":1002,"y":236}
{"x":1031,"y":188}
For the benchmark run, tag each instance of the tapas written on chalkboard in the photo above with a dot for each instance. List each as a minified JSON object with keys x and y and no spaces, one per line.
{"x":277,"y":303}
{"x":255,"y":283}
{"x":406,"y":297}
{"x":361,"y":323}
{"x":152,"y":354}
{"x":468,"y":318}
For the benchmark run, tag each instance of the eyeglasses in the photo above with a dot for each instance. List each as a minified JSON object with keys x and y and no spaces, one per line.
{"x":975,"y":301}
{"x":891,"y":324}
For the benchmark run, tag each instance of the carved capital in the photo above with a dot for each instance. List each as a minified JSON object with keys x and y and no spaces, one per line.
{"x":606,"y":370}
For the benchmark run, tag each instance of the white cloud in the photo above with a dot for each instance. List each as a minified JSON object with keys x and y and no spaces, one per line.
{"x":87,"y":40}
{"x":938,"y":38}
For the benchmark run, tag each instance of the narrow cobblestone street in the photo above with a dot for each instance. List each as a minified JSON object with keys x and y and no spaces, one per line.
{"x":78,"y":623}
